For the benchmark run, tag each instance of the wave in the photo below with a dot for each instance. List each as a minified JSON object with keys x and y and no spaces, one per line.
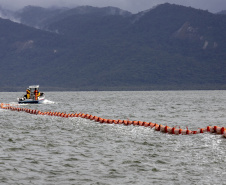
{"x":48,"y":102}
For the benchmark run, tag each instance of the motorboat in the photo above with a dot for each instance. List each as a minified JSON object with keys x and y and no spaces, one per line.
{"x":32,"y":96}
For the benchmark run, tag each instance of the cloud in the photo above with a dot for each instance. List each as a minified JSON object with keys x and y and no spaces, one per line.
{"x":130,"y":5}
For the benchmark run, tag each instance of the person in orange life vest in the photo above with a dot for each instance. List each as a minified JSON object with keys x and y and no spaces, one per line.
{"x":28,"y":93}
{"x":36,"y":94}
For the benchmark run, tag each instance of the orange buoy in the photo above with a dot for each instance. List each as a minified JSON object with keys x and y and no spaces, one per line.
{"x":125,"y":122}
{"x":110,"y":121}
{"x":105,"y":120}
{"x":120,"y":121}
{"x":210,"y":129}
{"x":115,"y":121}
{"x":146,"y":124}
{"x":91,"y":117}
{"x":152,"y":124}
{"x":129,"y":122}
{"x":162,"y":128}
{"x":224,"y":134}
{"x":200,"y":130}
{"x":183,"y":132}
{"x":176,"y":131}
{"x":95,"y":118}
{"x":217,"y":130}
{"x":87,"y":116}
{"x":214,"y":128}
{"x":101,"y":120}
{"x":169,"y":130}
{"x":222,"y":130}
{"x":135,"y":122}
{"x":62,"y":114}
{"x":166,"y":129}
{"x":157,"y":127}
{"x":188,"y":132}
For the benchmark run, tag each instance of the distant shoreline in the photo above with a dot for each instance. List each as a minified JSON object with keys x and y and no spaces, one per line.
{"x":129,"y":88}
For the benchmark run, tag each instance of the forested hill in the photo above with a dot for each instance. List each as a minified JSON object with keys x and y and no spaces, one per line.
{"x":89,"y":48}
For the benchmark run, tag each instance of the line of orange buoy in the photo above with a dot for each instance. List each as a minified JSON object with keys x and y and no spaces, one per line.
{"x":161,"y":128}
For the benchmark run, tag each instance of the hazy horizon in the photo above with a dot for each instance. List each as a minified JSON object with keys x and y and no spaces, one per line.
{"x":133,"y":6}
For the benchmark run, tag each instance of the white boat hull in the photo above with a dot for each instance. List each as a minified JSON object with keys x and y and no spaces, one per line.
{"x":31,"y":101}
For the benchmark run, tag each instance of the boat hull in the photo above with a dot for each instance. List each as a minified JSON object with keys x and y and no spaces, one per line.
{"x":31,"y":101}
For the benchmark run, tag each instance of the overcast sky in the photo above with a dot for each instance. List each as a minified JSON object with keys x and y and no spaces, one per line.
{"x":133,"y":6}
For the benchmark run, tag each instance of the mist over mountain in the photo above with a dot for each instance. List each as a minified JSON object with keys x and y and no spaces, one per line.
{"x":89,"y":48}
{"x":222,"y":12}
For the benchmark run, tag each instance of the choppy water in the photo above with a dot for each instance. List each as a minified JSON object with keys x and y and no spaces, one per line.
{"x":37,"y":149}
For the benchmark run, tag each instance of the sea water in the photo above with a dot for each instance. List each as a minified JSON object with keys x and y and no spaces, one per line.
{"x":36,"y":149}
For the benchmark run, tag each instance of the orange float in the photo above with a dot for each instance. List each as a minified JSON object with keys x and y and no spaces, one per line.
{"x":125,"y":122}
{"x":79,"y":115}
{"x":224,"y":134}
{"x":222,"y":130}
{"x":120,"y":121}
{"x":91,"y":117}
{"x":87,"y":116}
{"x":176,"y":131}
{"x":218,"y":130}
{"x":115,"y":121}
{"x":162,"y":128}
{"x":152,"y":125}
{"x":101,"y":120}
{"x":209,"y":129}
{"x":129,"y":122}
{"x":183,"y":132}
{"x":169,"y":130}
{"x":157,"y":127}
{"x":110,"y":121}
{"x":146,"y":124}
{"x":140,"y":123}
{"x":135,"y":122}
{"x":105,"y":120}
{"x":96,"y":118}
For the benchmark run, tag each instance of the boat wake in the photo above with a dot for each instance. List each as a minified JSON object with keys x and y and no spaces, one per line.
{"x":47,"y":102}
{"x":13,"y":103}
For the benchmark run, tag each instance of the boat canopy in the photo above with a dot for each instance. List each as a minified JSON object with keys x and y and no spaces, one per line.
{"x":34,"y":86}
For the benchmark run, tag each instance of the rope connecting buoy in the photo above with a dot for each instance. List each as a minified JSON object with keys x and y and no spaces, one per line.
{"x":161,"y":128}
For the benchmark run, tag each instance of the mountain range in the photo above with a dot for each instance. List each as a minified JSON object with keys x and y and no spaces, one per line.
{"x":168,"y":47}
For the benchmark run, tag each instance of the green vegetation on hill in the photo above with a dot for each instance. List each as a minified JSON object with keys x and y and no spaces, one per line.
{"x":87,"y":48}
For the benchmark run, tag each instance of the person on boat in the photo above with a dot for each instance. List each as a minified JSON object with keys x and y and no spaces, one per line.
{"x":28,"y":91}
{"x":36,"y":94}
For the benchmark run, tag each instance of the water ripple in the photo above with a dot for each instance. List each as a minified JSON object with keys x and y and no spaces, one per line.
{"x":51,"y":150}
